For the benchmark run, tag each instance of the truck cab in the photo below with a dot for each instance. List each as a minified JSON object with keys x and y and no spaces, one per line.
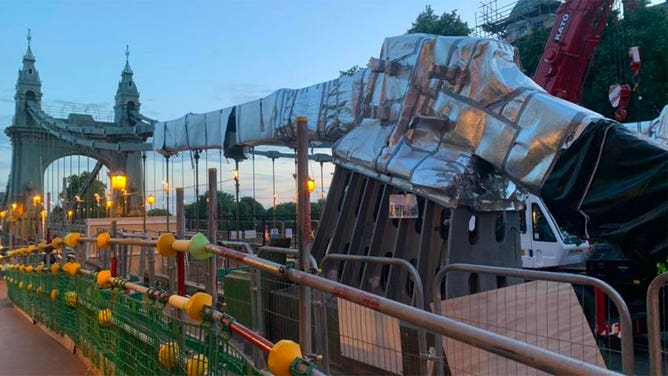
{"x":543,"y":243}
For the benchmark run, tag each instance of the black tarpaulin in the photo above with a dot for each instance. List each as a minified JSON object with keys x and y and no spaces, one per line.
{"x":611,"y":185}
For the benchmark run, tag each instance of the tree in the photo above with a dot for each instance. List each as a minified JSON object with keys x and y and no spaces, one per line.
{"x":531,"y":49}
{"x":157,"y":212}
{"x":91,"y":203}
{"x":640,"y":27}
{"x":610,"y":62}
{"x":350,"y":71}
{"x":449,"y":24}
{"x":226,"y":206}
{"x":246,"y":205}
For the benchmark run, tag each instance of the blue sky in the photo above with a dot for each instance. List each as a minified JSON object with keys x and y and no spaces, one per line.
{"x":196,"y":56}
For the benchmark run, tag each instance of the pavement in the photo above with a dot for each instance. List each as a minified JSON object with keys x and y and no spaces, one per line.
{"x":25,"y":349}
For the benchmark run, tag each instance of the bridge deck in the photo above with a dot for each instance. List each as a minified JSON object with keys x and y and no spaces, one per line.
{"x":27,"y":350}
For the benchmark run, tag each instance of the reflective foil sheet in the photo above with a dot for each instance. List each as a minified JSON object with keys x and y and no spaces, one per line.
{"x":451,"y":118}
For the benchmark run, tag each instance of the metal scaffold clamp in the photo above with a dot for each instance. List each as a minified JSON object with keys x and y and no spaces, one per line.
{"x":168,"y":245}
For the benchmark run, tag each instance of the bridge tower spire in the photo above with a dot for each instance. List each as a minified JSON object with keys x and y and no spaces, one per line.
{"x":28,"y":87}
{"x":25,"y":179}
{"x":127,"y":95}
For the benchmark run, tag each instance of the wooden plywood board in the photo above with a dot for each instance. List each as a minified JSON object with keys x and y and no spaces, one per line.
{"x":369,"y":337}
{"x":544,"y":314}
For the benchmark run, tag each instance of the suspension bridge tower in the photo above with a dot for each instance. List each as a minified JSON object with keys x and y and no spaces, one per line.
{"x":39,"y":139}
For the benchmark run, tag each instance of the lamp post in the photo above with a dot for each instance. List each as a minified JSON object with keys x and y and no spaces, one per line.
{"x":236,"y":186}
{"x":108,"y":205}
{"x":119,"y":183}
{"x":3,"y":214}
{"x":36,"y":201}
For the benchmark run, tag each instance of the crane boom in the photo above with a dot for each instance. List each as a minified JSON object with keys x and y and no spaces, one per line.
{"x":569,"y":49}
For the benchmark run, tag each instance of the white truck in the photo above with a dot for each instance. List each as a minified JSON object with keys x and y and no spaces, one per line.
{"x":543,"y":243}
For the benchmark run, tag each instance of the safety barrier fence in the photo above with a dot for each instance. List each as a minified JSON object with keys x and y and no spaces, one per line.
{"x":125,"y":328}
{"x":537,"y":307}
{"x":350,"y":319}
{"x":657,"y":298}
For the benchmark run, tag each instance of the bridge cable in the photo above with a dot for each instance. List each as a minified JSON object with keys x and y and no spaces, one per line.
{"x":254,"y":200}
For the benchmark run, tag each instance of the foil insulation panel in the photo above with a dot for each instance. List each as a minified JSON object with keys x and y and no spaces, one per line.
{"x":453,"y":118}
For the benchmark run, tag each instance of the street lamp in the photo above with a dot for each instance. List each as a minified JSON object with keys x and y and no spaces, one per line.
{"x":310,"y":185}
{"x":150,"y":200}
{"x":36,"y":201}
{"x":119,"y":183}
{"x":3,"y":214}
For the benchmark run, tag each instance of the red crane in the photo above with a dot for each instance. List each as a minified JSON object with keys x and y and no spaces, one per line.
{"x":569,"y":49}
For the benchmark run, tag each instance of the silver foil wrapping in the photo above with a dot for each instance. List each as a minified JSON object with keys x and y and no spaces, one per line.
{"x":451,"y":118}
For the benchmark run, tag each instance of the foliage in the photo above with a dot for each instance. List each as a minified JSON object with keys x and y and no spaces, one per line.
{"x":610,"y":63}
{"x":531,"y":49}
{"x":87,"y":200}
{"x":246,"y":206}
{"x":226,"y":207}
{"x":350,"y":71}
{"x":640,"y":27}
{"x":446,"y":24}
{"x":198,"y":209}
{"x":158,"y":212}
{"x":288,"y":210}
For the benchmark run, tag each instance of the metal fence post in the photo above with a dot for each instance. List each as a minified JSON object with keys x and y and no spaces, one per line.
{"x":114,"y":250}
{"x":654,"y":325}
{"x":418,"y":297}
{"x":303,"y":232}
{"x":212,"y":225}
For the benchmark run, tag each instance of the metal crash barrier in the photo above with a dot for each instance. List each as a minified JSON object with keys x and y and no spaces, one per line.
{"x":124,"y":327}
{"x":654,"y":324}
{"x":532,"y":300}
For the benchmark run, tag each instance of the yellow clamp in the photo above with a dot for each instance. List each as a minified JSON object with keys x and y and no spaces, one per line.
{"x":104,"y":279}
{"x":72,"y":239}
{"x":41,"y":246}
{"x":197,"y":365}
{"x":31,"y":248}
{"x":281,"y":357}
{"x":29,"y":268}
{"x":55,"y":268}
{"x":192,"y":306}
{"x":71,"y":268}
{"x":168,"y":354}
{"x":167,"y":245}
{"x":102,"y":240}
{"x":57,"y":243}
{"x":40,"y":268}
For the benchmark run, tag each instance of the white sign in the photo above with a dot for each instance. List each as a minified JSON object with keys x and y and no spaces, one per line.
{"x":250,"y":234}
{"x":288,"y":232}
{"x":274,"y":233}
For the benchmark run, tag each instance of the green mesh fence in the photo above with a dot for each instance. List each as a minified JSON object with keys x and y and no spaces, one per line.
{"x":123,"y":333}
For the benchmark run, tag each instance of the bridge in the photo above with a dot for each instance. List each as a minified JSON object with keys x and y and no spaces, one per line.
{"x":429,"y":165}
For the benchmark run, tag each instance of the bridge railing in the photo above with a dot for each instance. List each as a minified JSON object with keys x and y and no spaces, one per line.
{"x":125,"y":327}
